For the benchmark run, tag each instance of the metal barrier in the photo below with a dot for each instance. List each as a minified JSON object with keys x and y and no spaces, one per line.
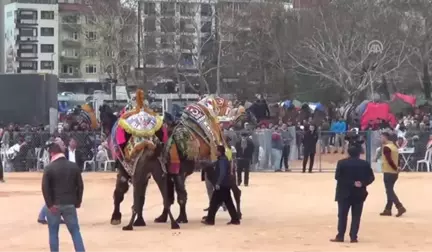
{"x":267,"y":155}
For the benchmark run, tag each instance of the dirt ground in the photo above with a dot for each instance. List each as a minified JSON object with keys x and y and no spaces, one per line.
{"x":282,"y":212}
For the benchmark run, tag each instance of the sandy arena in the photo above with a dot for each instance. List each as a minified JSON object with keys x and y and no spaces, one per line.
{"x":282,"y":212}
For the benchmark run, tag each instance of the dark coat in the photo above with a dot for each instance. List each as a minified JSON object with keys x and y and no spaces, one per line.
{"x":348,"y":171}
{"x":310,"y":140}
{"x":247,"y":153}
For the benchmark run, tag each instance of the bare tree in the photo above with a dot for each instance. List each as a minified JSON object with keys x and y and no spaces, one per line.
{"x":110,"y":30}
{"x":336,"y":39}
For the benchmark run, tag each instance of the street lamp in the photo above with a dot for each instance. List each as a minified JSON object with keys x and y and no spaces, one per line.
{"x":374,"y":47}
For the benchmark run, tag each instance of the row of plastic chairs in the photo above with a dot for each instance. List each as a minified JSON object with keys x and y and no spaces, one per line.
{"x":108,"y":163}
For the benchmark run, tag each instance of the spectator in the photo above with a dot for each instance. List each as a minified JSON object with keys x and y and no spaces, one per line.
{"x":299,"y":140}
{"x":62,"y":189}
{"x":309,"y":144}
{"x":6,"y":138}
{"x":339,"y":128}
{"x":101,"y":157}
{"x":244,"y":151}
{"x":325,"y":136}
{"x":276,"y":152}
{"x":74,"y":154}
{"x":286,"y":141}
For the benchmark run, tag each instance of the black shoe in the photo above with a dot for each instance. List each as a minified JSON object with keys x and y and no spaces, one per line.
{"x":337,"y":240}
{"x":246,"y":185}
{"x":237,"y":222}
{"x":278,"y":170}
{"x":43,"y":222}
{"x":354,"y":241}
{"x":310,"y":171}
{"x":205,"y":222}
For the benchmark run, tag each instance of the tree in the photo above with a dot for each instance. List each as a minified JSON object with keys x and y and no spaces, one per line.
{"x":110,"y":30}
{"x":336,"y":39}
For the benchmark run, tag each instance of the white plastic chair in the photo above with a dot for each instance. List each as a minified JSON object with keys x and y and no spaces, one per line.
{"x":109,"y":161}
{"x":427,"y":161}
{"x":90,"y":162}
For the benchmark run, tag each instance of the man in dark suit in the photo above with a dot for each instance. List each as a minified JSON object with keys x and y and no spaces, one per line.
{"x":353,"y":175}
{"x":74,"y":154}
{"x":245,"y":150}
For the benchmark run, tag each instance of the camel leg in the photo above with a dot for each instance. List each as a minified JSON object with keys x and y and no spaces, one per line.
{"x":170,"y":193}
{"x":140,"y":181}
{"x":161,"y":180}
{"x":120,"y":190}
{"x":180,"y":187}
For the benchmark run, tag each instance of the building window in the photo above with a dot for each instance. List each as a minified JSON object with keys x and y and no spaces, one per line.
{"x":91,"y":35}
{"x":27,"y":14}
{"x":71,"y":19}
{"x":47,"y":48}
{"x":167,"y":9}
{"x":70,"y":53}
{"x":47,"y":65}
{"x":72,"y":36}
{"x":47,"y":31}
{"x":28,"y":32}
{"x":89,"y":52}
{"x":28,"y":65}
{"x":150,"y":8}
{"x":168,"y":25}
{"x":206,"y":26}
{"x":28,"y":48}
{"x":206,"y":10}
{"x":90,"y":68}
{"x":187,"y":9}
{"x":150,"y":24}
{"x":47,"y":14}
{"x":67,"y":69}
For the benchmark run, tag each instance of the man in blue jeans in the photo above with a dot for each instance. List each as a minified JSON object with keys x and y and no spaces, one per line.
{"x":62,"y":189}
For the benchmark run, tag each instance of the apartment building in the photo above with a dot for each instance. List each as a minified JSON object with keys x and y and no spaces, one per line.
{"x":30,"y":36}
{"x":306,"y":4}
{"x":84,"y":62}
{"x":175,"y":34}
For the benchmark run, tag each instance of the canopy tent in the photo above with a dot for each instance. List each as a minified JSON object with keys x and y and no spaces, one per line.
{"x":406,"y":98}
{"x":376,"y":111}
{"x":291,"y":103}
{"x":316,"y":106}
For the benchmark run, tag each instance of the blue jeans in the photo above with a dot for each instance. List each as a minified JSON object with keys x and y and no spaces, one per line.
{"x":70,"y":217}
{"x":43,"y":213}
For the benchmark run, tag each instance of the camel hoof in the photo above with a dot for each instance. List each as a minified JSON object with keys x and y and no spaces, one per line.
{"x":182,"y":220}
{"x":161,"y":219}
{"x":240,"y":215}
{"x":115,"y":222}
{"x":139,"y":223}
{"x":127,"y":228}
{"x":175,"y":225}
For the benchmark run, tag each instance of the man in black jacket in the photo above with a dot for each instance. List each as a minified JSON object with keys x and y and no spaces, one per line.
{"x":245,"y":149}
{"x":62,"y":189}
{"x":222,"y":192}
{"x":353,"y":175}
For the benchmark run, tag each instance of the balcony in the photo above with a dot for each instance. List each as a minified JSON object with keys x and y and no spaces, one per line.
{"x":66,"y":59}
{"x":68,"y":41}
{"x":26,"y":39}
{"x":71,"y":26}
{"x":74,"y":75}
{"x":22,"y":54}
{"x":25,"y":22}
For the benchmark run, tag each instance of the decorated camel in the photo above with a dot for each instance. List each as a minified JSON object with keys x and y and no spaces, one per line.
{"x":136,"y":140}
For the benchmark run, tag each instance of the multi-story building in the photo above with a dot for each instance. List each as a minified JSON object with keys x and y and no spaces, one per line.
{"x":31,"y":35}
{"x":306,"y":4}
{"x":175,"y":34}
{"x":85,"y":60}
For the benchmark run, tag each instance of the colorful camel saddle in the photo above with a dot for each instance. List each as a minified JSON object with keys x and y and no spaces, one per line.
{"x":133,"y":135}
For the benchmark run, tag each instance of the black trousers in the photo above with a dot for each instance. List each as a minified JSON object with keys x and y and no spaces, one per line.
{"x":285,"y":156}
{"x":356,"y":211}
{"x":389,"y":183}
{"x":308,"y":155}
{"x":223,"y":195}
{"x":243,"y":165}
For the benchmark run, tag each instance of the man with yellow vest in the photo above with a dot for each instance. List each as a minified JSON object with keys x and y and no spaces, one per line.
{"x":390,"y":169}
